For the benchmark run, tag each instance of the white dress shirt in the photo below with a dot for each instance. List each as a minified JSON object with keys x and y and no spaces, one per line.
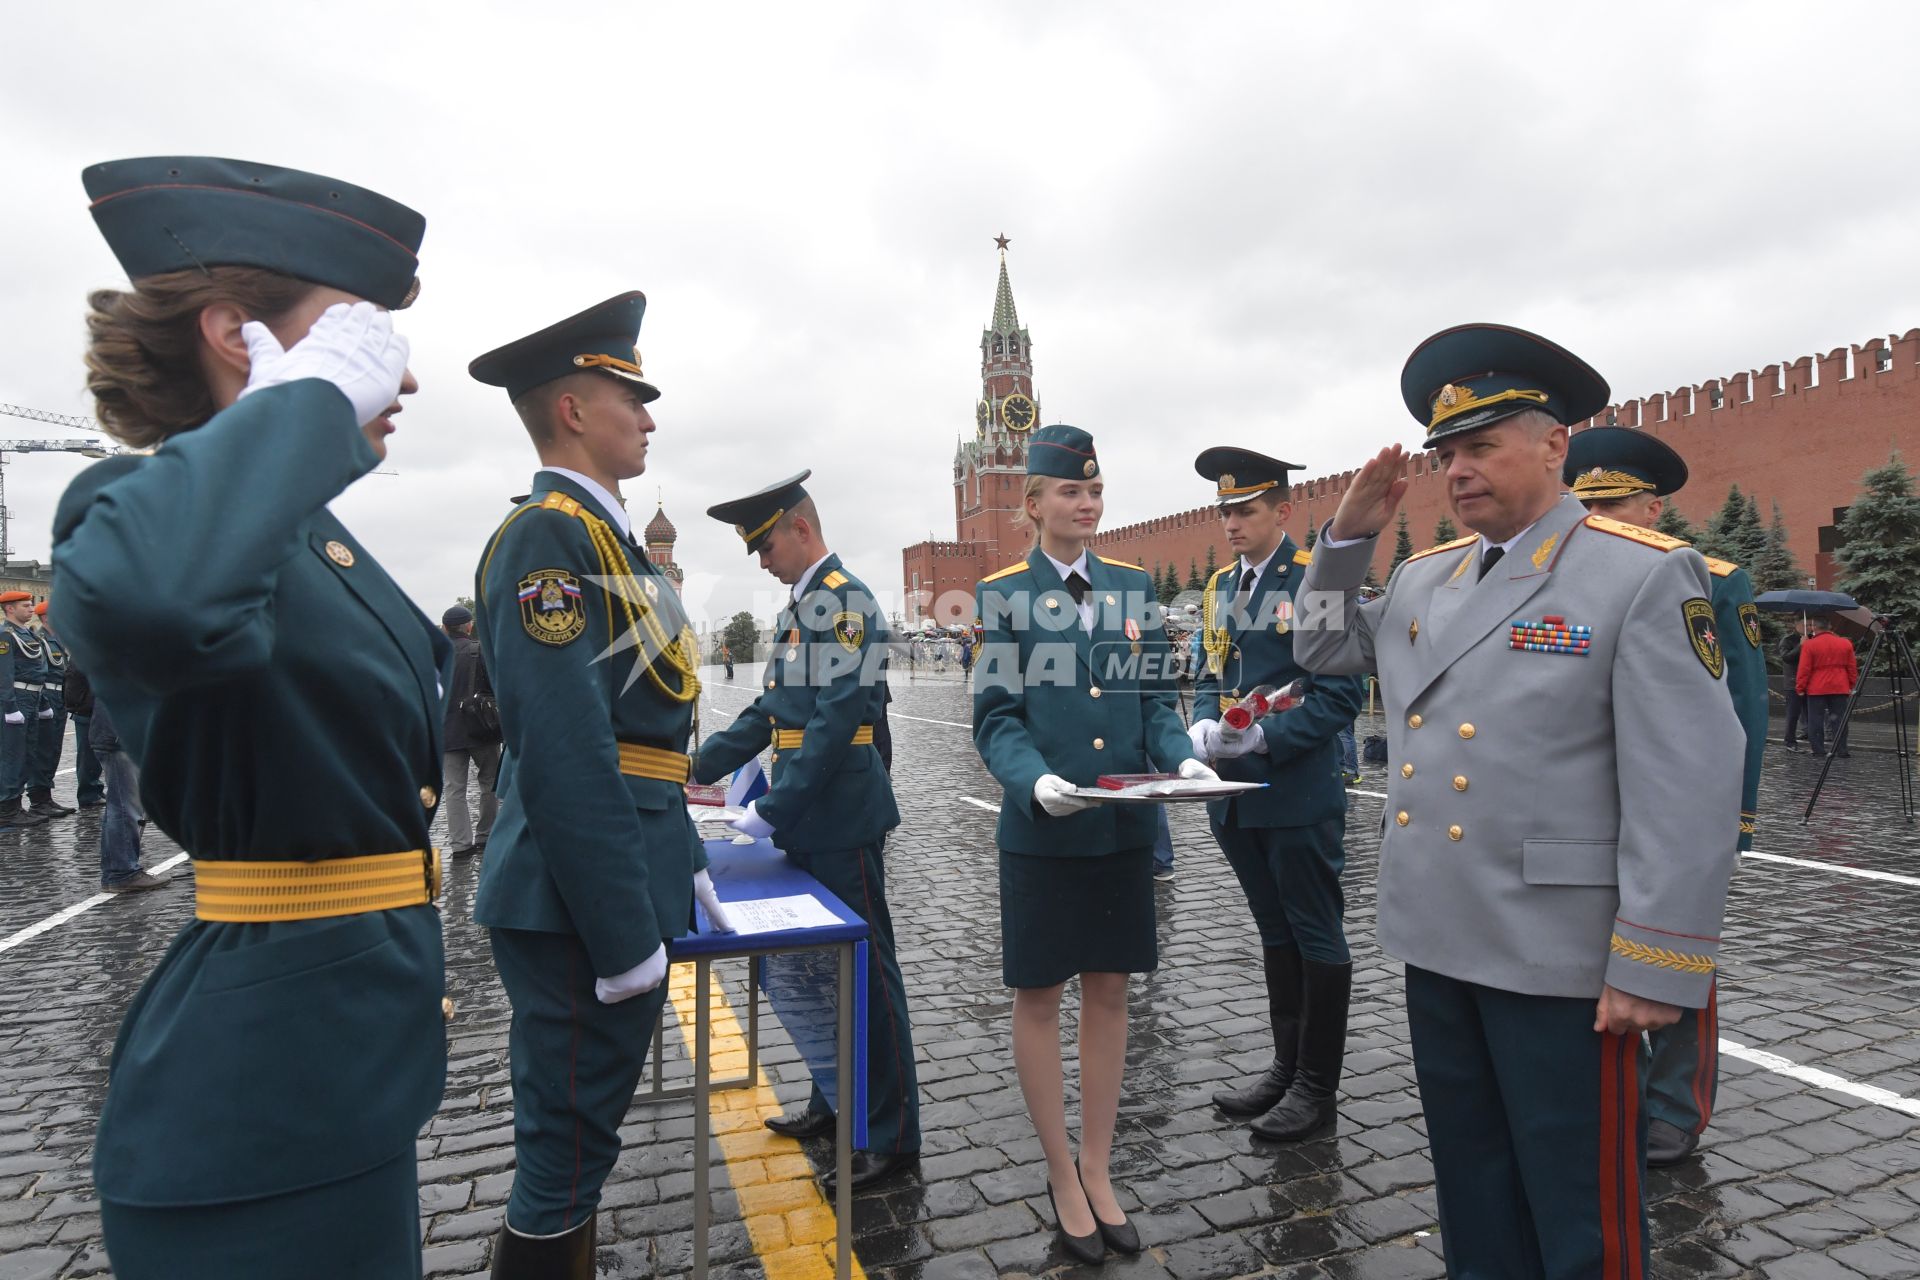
{"x":1079,"y":566}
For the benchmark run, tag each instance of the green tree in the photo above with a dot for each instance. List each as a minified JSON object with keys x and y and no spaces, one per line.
{"x":1402,"y":543}
{"x":1194,"y":580}
{"x":1169,"y":585}
{"x":1775,"y":569}
{"x":1443,"y":531}
{"x":1880,"y":544}
{"x":1313,"y":536}
{"x":1211,"y":565}
{"x":741,"y":634}
{"x":1675,"y":525}
{"x":1735,"y":532}
{"x":466,"y":602}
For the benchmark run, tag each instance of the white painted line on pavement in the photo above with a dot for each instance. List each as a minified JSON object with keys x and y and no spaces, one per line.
{"x":979,"y":804}
{"x":1820,"y":1079}
{"x":1863,"y":872}
{"x":60,"y":917}
{"x":951,"y":724}
{"x":1377,"y":795}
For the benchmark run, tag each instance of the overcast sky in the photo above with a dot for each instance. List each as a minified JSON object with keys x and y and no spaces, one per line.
{"x":1230,"y":222}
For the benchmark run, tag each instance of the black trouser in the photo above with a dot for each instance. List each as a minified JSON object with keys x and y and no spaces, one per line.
{"x":1823,"y":718}
{"x":1796,"y":708}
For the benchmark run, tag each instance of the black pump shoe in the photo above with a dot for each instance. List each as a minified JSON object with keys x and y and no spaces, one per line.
{"x":1122,"y":1238}
{"x":1089,"y":1248}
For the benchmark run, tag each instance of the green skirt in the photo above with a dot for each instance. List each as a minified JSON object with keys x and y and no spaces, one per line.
{"x":366,"y":1227}
{"x":1065,"y":916}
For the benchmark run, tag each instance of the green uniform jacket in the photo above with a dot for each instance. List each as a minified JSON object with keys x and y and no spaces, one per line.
{"x":827,"y":677}
{"x":1049,"y":698}
{"x":1302,"y":761}
{"x":1737,"y":622}
{"x":579,"y":847}
{"x":282,"y":697}
{"x":54,"y":678}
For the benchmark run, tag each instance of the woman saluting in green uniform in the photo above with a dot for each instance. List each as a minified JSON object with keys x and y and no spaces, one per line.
{"x":283,"y":699}
{"x":1073,"y":681}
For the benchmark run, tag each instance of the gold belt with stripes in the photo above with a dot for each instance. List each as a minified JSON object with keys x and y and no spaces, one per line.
{"x":262,"y":892}
{"x":637,"y":761}
{"x":787,"y":739}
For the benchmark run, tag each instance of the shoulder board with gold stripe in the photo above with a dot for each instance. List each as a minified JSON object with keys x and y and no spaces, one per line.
{"x":1445,"y":546}
{"x":834,"y":579}
{"x":1303,"y":556}
{"x":557,"y":501}
{"x":1720,"y":568}
{"x":1010,"y":569}
{"x":1120,"y":564}
{"x":1634,"y":533}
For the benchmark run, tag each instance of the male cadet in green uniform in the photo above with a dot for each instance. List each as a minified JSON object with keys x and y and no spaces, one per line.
{"x":1625,"y":474}
{"x":1285,"y":843}
{"x":592,"y":866}
{"x":25,"y":664}
{"x":50,"y":728}
{"x":831,"y":803}
{"x":1564,"y":773}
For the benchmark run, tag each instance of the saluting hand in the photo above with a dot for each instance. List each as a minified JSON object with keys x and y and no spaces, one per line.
{"x":353,"y":347}
{"x":1370,"y":502}
{"x":1621,"y":1014}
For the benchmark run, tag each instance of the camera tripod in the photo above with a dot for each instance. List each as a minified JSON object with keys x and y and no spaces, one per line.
{"x":1900,"y":670}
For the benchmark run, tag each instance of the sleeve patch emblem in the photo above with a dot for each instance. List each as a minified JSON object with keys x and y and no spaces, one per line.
{"x":1698,"y":614}
{"x":1750,"y":623}
{"x":552,"y":608}
{"x":849,"y":629}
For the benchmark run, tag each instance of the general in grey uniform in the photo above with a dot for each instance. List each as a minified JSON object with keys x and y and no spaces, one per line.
{"x":1564,"y":771}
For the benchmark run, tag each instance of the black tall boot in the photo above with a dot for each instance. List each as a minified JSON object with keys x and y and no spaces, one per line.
{"x":1285,"y":988}
{"x":562,"y":1257}
{"x":1309,"y":1104}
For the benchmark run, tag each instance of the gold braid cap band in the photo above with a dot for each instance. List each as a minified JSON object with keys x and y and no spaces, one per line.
{"x":1599,"y":483}
{"x":1456,"y":400}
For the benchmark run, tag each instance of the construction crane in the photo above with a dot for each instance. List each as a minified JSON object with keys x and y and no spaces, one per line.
{"x":85,"y":448}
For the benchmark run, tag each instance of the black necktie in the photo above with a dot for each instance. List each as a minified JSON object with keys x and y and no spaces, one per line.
{"x":1077,"y":587}
{"x":1490,"y":559}
{"x":1245,"y":593}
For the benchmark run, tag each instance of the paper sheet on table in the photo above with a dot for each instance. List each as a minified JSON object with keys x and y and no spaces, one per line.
{"x":1165,"y":790}
{"x":770,"y":915}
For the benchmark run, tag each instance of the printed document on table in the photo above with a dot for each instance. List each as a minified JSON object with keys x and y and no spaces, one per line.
{"x":771,"y":915}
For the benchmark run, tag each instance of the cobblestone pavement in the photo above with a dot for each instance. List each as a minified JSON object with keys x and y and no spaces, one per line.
{"x":1795,"y":1180}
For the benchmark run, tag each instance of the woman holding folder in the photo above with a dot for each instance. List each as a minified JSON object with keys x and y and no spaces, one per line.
{"x":1073,"y":682}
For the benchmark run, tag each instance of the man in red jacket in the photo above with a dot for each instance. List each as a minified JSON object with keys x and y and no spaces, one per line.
{"x":1827,"y":675}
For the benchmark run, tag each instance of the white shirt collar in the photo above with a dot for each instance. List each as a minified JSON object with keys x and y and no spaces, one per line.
{"x":1260,"y":570}
{"x":609,"y":502}
{"x":801,"y":584}
{"x":1079,"y":566}
{"x":1505,"y":547}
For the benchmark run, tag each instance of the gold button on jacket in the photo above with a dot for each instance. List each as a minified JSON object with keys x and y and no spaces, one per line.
{"x":1453,"y":833}
{"x":1401,"y":817}
{"x":1466,"y":731}
{"x":427,"y":796}
{"x":1460,"y":782}
{"x":1414,"y":722}
{"x":1099,"y":744}
{"x":1406,"y":770}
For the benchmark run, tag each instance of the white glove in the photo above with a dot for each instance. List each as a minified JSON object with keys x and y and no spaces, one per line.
{"x":1205,"y":736}
{"x":46,"y":713}
{"x":16,"y":717}
{"x":637,"y":981}
{"x":1055,"y":794}
{"x":353,"y":347}
{"x":752,"y":824}
{"x":1252,"y":738}
{"x":1194,"y":769}
{"x":704,"y":894}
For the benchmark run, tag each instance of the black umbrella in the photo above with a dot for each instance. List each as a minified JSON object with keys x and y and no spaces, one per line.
{"x":1800,"y":600}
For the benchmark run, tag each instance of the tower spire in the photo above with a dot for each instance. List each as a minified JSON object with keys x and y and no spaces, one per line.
{"x":1005,"y":319}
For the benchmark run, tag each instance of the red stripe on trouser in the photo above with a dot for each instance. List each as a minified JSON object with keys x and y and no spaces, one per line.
{"x":1610,"y":1232}
{"x":893,"y":1032}
{"x":1630,"y":1210}
{"x":1706,"y":1064}
{"x":573,"y":1105}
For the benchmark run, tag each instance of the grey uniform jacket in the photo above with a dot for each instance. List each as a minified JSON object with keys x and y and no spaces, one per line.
{"x":1555,"y":820}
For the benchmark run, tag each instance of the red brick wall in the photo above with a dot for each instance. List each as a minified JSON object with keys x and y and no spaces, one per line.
{"x":1801,"y":435}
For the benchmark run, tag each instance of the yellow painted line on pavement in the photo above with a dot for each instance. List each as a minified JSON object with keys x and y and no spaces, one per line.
{"x":791,"y":1225}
